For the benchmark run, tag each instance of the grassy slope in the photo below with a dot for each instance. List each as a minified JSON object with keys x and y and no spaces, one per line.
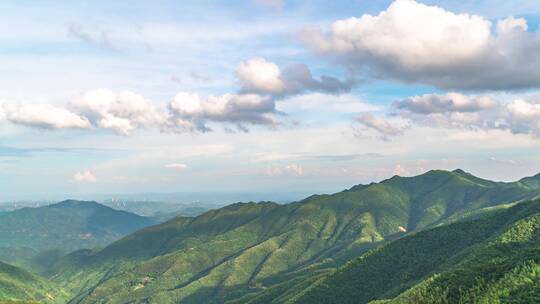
{"x":494,"y":259}
{"x":252,"y":251}
{"x":20,"y":286}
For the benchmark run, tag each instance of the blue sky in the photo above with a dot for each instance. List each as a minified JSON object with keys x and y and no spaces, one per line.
{"x":263,"y":95}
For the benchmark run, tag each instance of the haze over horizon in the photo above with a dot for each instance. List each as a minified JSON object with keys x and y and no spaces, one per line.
{"x":207,"y":198}
{"x":263,"y":96}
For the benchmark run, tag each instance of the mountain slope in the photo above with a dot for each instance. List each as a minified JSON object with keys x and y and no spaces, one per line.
{"x":495,"y":259}
{"x":19,"y":285}
{"x":243,"y":251}
{"x":67,"y":226}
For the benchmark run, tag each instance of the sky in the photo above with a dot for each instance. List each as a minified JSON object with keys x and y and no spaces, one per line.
{"x":263,"y":96}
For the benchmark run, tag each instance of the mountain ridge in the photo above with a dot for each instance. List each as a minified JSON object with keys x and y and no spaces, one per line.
{"x":245,"y":248}
{"x":457,"y":263}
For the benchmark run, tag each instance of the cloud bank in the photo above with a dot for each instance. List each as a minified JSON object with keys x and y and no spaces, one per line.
{"x":42,"y":116}
{"x":458,"y":111}
{"x":416,"y":43}
{"x":261,"y":84}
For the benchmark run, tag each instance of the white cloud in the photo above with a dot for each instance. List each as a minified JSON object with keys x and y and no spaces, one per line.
{"x":260,"y":76}
{"x":413,"y":42}
{"x":522,"y":116}
{"x":42,"y":116}
{"x":257,"y":74}
{"x":176,"y":166}
{"x":503,"y":161}
{"x":457,"y":111}
{"x":190,"y":112}
{"x":121,"y":112}
{"x":261,"y":84}
{"x":451,"y":102}
{"x":380,"y":125}
{"x":84,"y":177}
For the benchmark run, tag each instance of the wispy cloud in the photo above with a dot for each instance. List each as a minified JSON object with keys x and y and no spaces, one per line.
{"x":98,"y":37}
{"x":382,"y":126}
{"x":176,"y":166}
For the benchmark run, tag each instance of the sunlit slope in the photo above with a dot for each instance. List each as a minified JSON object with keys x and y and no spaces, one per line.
{"x":20,"y":286}
{"x":243,"y":250}
{"x":495,"y":259}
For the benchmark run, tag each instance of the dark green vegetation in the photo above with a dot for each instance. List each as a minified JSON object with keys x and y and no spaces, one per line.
{"x":20,"y":286}
{"x":440,"y":237}
{"x":494,"y":259}
{"x":264,"y":252}
{"x":37,"y":237}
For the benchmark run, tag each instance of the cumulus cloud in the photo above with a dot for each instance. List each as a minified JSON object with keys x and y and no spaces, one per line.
{"x":522,"y":116}
{"x":262,"y":77}
{"x":379,"y":125}
{"x":124,"y":112}
{"x":451,"y":102}
{"x":85,"y":176}
{"x":42,"y":116}
{"x":413,"y":42}
{"x":254,"y":103}
{"x":191,"y":112}
{"x":453,"y":110}
{"x":121,"y":112}
{"x":257,"y":74}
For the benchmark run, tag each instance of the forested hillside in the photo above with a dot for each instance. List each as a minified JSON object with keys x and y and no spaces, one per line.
{"x":495,"y":259}
{"x":38,"y":236}
{"x":20,"y":286}
{"x":256,"y":251}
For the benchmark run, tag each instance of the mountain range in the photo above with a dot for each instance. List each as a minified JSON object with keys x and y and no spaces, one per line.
{"x":388,"y":241}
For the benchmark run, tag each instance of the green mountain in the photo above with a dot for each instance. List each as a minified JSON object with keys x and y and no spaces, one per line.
{"x":43,"y":234}
{"x":254,"y":251}
{"x":20,"y":286}
{"x":495,"y":259}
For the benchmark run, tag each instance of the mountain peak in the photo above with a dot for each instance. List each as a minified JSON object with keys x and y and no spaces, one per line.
{"x":88,"y":205}
{"x":459,"y":171}
{"x":77,"y":203}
